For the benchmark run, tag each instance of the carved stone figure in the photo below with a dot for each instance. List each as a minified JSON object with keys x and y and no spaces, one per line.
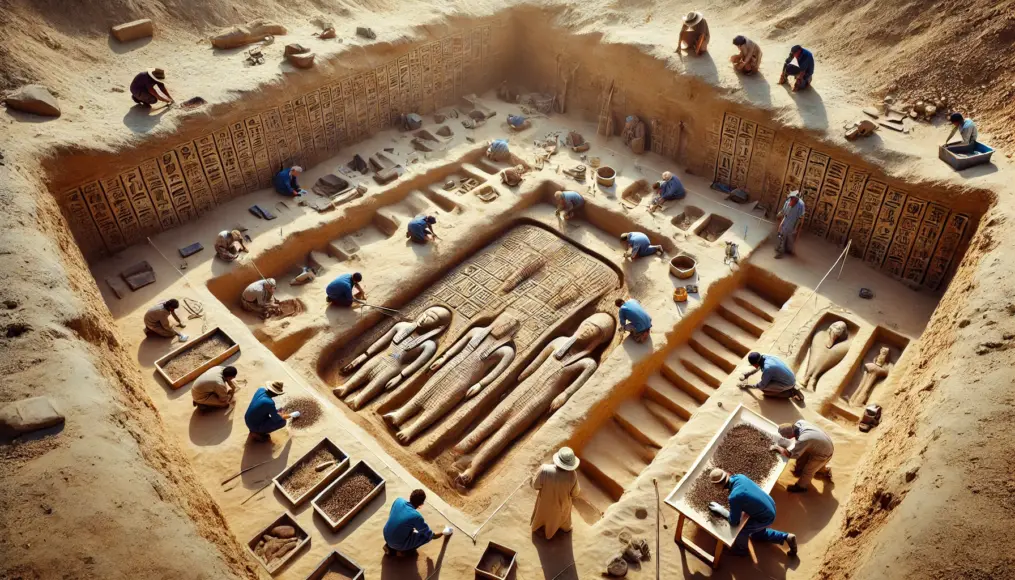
{"x":634,"y":134}
{"x":561,"y":368}
{"x":828,"y":348}
{"x":472,"y":364}
{"x":403,"y":350}
{"x":873,"y":373}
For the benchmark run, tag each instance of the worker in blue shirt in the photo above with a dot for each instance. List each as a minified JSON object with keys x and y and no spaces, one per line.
{"x":634,"y":319}
{"x":747,"y":498}
{"x":406,"y":529}
{"x":777,"y":380}
{"x":420,"y":229}
{"x":286,"y":183}
{"x":344,"y":289}
{"x":799,"y":64}
{"x":262,"y":417}
{"x":670,"y":189}
{"x":567,"y":203}
{"x":639,"y":246}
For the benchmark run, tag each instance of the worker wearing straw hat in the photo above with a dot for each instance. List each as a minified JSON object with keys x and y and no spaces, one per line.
{"x":556,"y":485}
{"x":746,"y":498}
{"x":694,"y":33}
{"x":149,"y":87}
{"x":262,"y":416}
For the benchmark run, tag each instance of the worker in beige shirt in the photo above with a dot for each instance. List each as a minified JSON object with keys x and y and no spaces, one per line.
{"x":215,"y":388}
{"x":556,"y":486}
{"x":156,"y":320}
{"x":748,"y":60}
{"x":810,"y":446}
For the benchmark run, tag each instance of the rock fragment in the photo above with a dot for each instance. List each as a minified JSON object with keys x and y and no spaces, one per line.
{"x":35,"y":99}
{"x":133,"y":30}
{"x":28,"y":415}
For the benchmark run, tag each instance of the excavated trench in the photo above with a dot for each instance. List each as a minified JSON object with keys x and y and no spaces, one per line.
{"x":913,"y":233}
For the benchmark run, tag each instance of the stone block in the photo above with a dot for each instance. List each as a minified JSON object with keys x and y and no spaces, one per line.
{"x":34,"y":99}
{"x":133,"y":30}
{"x":28,"y":415}
{"x":304,"y":60}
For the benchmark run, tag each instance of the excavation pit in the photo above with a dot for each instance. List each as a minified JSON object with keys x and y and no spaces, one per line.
{"x":685,"y":219}
{"x":713,"y":227}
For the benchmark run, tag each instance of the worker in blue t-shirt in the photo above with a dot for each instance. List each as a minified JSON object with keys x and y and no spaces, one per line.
{"x":262,"y":416}
{"x":639,"y":246}
{"x":746,"y":498}
{"x":567,"y":203}
{"x":420,"y":229}
{"x":634,"y":319}
{"x":344,"y":289}
{"x":406,"y":529}
{"x":286,"y":182}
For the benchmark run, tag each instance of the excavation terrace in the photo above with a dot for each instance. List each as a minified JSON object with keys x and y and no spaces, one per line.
{"x":909,"y":232}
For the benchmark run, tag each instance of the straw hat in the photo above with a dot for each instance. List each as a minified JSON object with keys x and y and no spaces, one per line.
{"x":566,"y":459}
{"x":794,"y":193}
{"x":275,"y":387}
{"x":718,"y":476}
{"x":157,"y":74}
{"x":692,"y":18}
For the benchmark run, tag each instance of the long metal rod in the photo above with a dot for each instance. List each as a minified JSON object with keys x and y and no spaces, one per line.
{"x":659,"y":555}
{"x":232,"y":477}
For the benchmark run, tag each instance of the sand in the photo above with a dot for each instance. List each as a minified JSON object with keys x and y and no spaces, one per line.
{"x":305,"y":475}
{"x":152,"y":478}
{"x":196,"y":356}
{"x":347,"y":495}
{"x":742,"y":451}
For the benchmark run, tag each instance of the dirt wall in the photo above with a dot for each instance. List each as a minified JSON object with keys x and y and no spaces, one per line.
{"x":107,"y":495}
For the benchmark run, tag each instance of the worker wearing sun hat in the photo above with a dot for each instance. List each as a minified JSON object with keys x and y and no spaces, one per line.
{"x":747,"y":498}
{"x":694,"y":33}
{"x":556,"y":485}
{"x":262,"y":416}
{"x":148,"y":88}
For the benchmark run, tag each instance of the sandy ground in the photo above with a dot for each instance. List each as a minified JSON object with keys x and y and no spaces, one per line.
{"x":217,"y":443}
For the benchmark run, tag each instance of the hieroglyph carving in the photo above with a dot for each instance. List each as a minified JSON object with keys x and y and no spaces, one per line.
{"x":561,"y":368}
{"x":828,"y":348}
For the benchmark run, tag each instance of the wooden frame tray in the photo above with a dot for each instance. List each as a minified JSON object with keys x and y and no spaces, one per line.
{"x":360,"y":467}
{"x":495,"y":547}
{"x":336,"y":557}
{"x":328,"y":476}
{"x":286,"y":519}
{"x":721,"y":531}
{"x":193,"y":374}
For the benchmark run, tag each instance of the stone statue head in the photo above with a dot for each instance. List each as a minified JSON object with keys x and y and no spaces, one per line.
{"x":504,"y":325}
{"x":433,"y":317}
{"x":592,"y":332}
{"x":836,"y":333}
{"x":882,"y":357}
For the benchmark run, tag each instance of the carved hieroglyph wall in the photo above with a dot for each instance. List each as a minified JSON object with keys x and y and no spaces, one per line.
{"x":910,"y":238}
{"x":115,"y":211}
{"x":531,"y":273}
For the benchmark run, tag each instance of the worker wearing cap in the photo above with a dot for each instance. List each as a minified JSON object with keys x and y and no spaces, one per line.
{"x":406,"y":529}
{"x":634,"y":319}
{"x":567,"y":203}
{"x":812,"y":449}
{"x":799,"y":65}
{"x":639,"y":246}
{"x":966,"y":129}
{"x":556,"y":487}
{"x":344,"y":289}
{"x":287,"y":182}
{"x":262,"y":417}
{"x":746,"y":498}
{"x":791,"y":221}
{"x":420,"y":229}
{"x":777,"y":380}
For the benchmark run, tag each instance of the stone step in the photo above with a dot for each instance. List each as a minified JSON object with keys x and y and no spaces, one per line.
{"x":639,"y":422}
{"x":729,"y":334}
{"x":714,"y":351}
{"x":614,"y":459}
{"x":672,"y":420}
{"x":754,"y":302}
{"x":700,"y":366}
{"x":593,"y":499}
{"x":731,"y":310}
{"x":671,"y":395}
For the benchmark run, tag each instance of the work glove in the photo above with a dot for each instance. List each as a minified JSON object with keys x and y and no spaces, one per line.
{"x":717,"y":509}
{"x":294,"y":415}
{"x":448,"y":531}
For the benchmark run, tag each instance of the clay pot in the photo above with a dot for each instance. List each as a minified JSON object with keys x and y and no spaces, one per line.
{"x":606,"y":176}
{"x":683,"y":267}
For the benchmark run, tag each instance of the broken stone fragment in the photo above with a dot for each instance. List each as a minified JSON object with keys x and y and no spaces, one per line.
{"x":303,"y":60}
{"x":133,"y":30}
{"x":35,"y":99}
{"x":28,"y":415}
{"x":366,"y":32}
{"x":243,"y":35}
{"x":295,"y":49}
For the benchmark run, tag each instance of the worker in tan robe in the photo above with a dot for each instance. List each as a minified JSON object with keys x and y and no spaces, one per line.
{"x":156,"y":320}
{"x":215,"y":388}
{"x":748,"y":60}
{"x":556,"y":486}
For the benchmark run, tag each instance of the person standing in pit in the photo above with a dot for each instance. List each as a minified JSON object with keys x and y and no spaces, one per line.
{"x":156,"y":320}
{"x":287,"y":183}
{"x":556,"y":487}
{"x":639,"y":246}
{"x":777,"y":380}
{"x":406,"y":530}
{"x":343,"y":290}
{"x":262,"y":417}
{"x":670,"y":189}
{"x":634,"y":319}
{"x":148,"y":88}
{"x":420,"y":229}
{"x":567,"y":203}
{"x":747,"y":498}
{"x":215,"y":388}
{"x":791,"y":222}
{"x":812,"y":449}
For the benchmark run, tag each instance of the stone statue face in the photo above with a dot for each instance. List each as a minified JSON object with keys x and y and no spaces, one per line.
{"x":504,"y":325}
{"x":883,"y":355}
{"x":595,"y":329}
{"x":433,"y":317}
{"x":836,"y":330}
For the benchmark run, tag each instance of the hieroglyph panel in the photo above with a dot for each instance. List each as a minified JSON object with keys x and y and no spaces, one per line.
{"x":742,"y":154}
{"x":191,"y":178}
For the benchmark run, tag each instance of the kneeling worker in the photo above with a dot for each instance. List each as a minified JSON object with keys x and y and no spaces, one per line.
{"x":420,"y":229}
{"x":670,"y":189}
{"x":215,"y":388}
{"x":810,"y":446}
{"x":567,"y":203}
{"x":286,"y":182}
{"x":634,"y":319}
{"x":259,"y":297}
{"x":748,"y":60}
{"x":799,"y":65}
{"x":638,"y":246}
{"x":344,"y":289}
{"x":229,"y":244}
{"x":262,"y":417}
{"x":747,"y":498}
{"x":694,"y":34}
{"x":149,"y":87}
{"x":776,"y":379}
{"x":406,"y":529}
{"x":499,"y":150}
{"x":156,"y":320}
